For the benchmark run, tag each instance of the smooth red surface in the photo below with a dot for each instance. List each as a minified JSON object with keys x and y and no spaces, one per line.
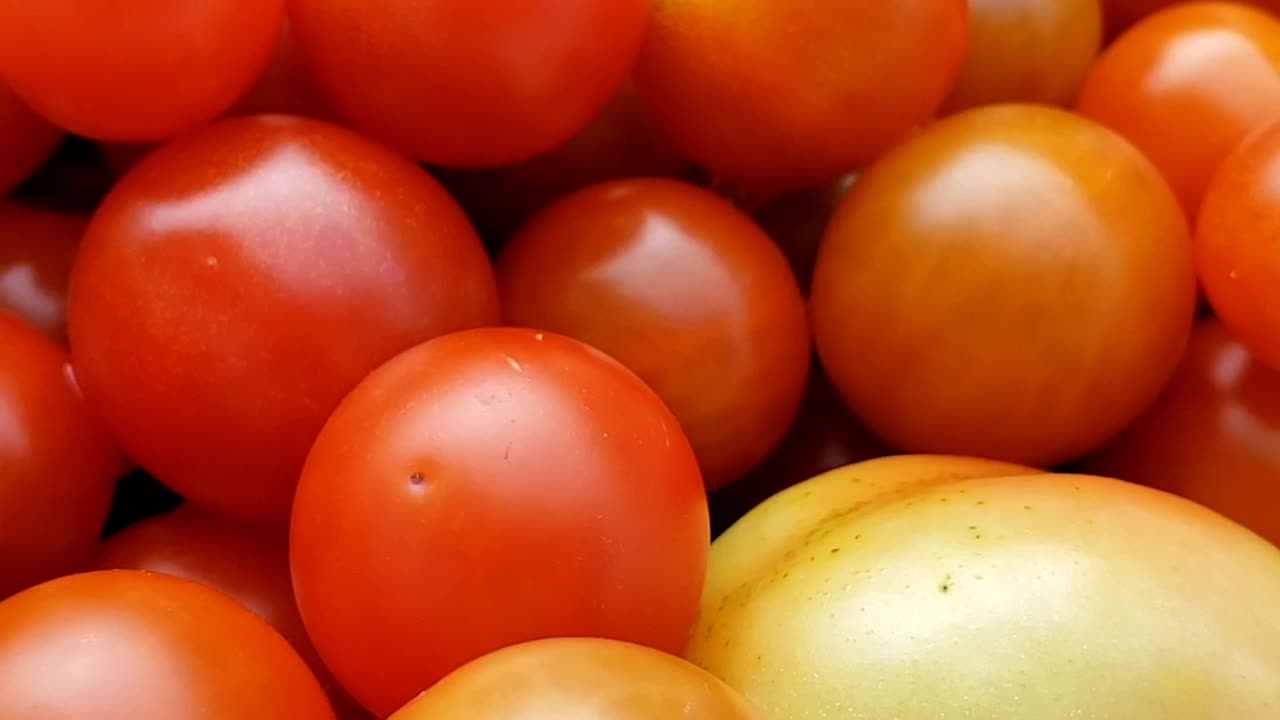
{"x":487,"y":488}
{"x":37,"y":248}
{"x":26,"y":140}
{"x":124,"y":645}
{"x":139,"y":71}
{"x":681,"y":287}
{"x":470,"y":83}
{"x":239,"y":282}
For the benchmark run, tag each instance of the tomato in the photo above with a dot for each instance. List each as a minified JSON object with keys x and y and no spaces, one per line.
{"x":797,"y":220}
{"x":777,"y":94}
{"x":1027,"y":51}
{"x":239,"y":282}
{"x":1186,"y":86}
{"x":58,"y":464}
{"x":588,"y":678}
{"x":97,"y":69}
{"x":122,"y":645}
{"x":1120,"y":14}
{"x":249,"y":564}
{"x":36,"y":251}
{"x":685,"y":290}
{"x":26,"y":140}
{"x":487,"y":488}
{"x":1212,"y":437}
{"x":470,"y":84}
{"x":286,"y":86}
{"x":887,"y":590}
{"x":1015,"y":282}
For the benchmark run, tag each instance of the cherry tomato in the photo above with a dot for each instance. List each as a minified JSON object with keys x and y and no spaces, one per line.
{"x":1186,"y":85}
{"x":26,"y":140}
{"x":37,"y":248}
{"x":1014,"y":283}
{"x":123,"y":645}
{"x":144,"y":71}
{"x":249,"y":564}
{"x":286,"y":86}
{"x":470,"y":83}
{"x":487,"y":488}
{"x":685,"y":290}
{"x":1213,"y":437}
{"x":578,"y":678}
{"x":58,"y":465}
{"x":239,"y":282}
{"x":1027,"y":51}
{"x":797,"y":220}
{"x":778,"y":94}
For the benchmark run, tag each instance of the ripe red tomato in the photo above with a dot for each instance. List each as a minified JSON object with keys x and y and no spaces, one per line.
{"x":37,"y":248}
{"x":58,"y":465}
{"x":1013,"y":283}
{"x":1213,"y":436}
{"x":778,"y":94}
{"x":123,"y":645}
{"x":578,"y":678}
{"x":147,"y":71}
{"x":26,"y":140}
{"x":249,"y":564}
{"x":487,"y":488}
{"x":1027,"y":51}
{"x":1186,"y":85}
{"x":681,"y":287}
{"x":470,"y":83}
{"x":239,"y":282}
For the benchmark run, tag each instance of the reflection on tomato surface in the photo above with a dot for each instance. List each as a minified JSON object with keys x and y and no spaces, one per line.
{"x":37,"y":248}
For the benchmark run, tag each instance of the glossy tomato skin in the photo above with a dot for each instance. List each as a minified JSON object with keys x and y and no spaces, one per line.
{"x":470,"y":84}
{"x":775,"y":109}
{"x":58,"y":464}
{"x":1014,"y":283}
{"x":1186,"y":85}
{"x":487,"y":488}
{"x":578,"y":677}
{"x":97,"y":69}
{"x":1027,"y":51}
{"x":239,"y":282}
{"x":121,"y":645}
{"x":26,"y":140}
{"x":37,"y":248}
{"x":1213,"y":437}
{"x":681,"y":287}
{"x":248,"y":563}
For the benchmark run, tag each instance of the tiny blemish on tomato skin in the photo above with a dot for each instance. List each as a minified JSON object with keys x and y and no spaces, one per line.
{"x":538,"y":337}
{"x":417,"y":478}
{"x":514,"y":364}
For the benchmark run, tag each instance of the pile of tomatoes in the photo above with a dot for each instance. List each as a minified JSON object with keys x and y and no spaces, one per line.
{"x":402,"y":359}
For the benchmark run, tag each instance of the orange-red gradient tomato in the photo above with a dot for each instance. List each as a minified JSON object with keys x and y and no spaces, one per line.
{"x":140,"y":71}
{"x":470,"y":83}
{"x":1027,"y":51}
{"x":578,"y":678}
{"x":681,"y":287}
{"x":37,"y":248}
{"x":124,"y":645}
{"x":26,"y":140}
{"x":1013,"y":283}
{"x":1186,"y":85}
{"x":777,"y":94}
{"x":237,"y":283}
{"x":487,"y":488}
{"x":1213,"y":437}
{"x":58,"y":464}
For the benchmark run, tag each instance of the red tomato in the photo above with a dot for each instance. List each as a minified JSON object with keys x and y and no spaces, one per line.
{"x":681,"y":287}
{"x":37,"y":248}
{"x":1213,"y":436}
{"x":249,"y":564}
{"x":239,"y":282}
{"x":1186,"y":86}
{"x":797,"y":220}
{"x":58,"y":465}
{"x":1014,"y":283}
{"x":1027,"y":51}
{"x":470,"y":83}
{"x":488,"y":488}
{"x":579,"y":678}
{"x":147,"y":71}
{"x":26,"y":140}
{"x":286,"y":86}
{"x":124,"y":645}
{"x":779,"y":94}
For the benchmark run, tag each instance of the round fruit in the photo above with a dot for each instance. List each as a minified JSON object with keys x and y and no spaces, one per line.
{"x":37,"y":248}
{"x":1014,"y":282}
{"x":26,"y":140}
